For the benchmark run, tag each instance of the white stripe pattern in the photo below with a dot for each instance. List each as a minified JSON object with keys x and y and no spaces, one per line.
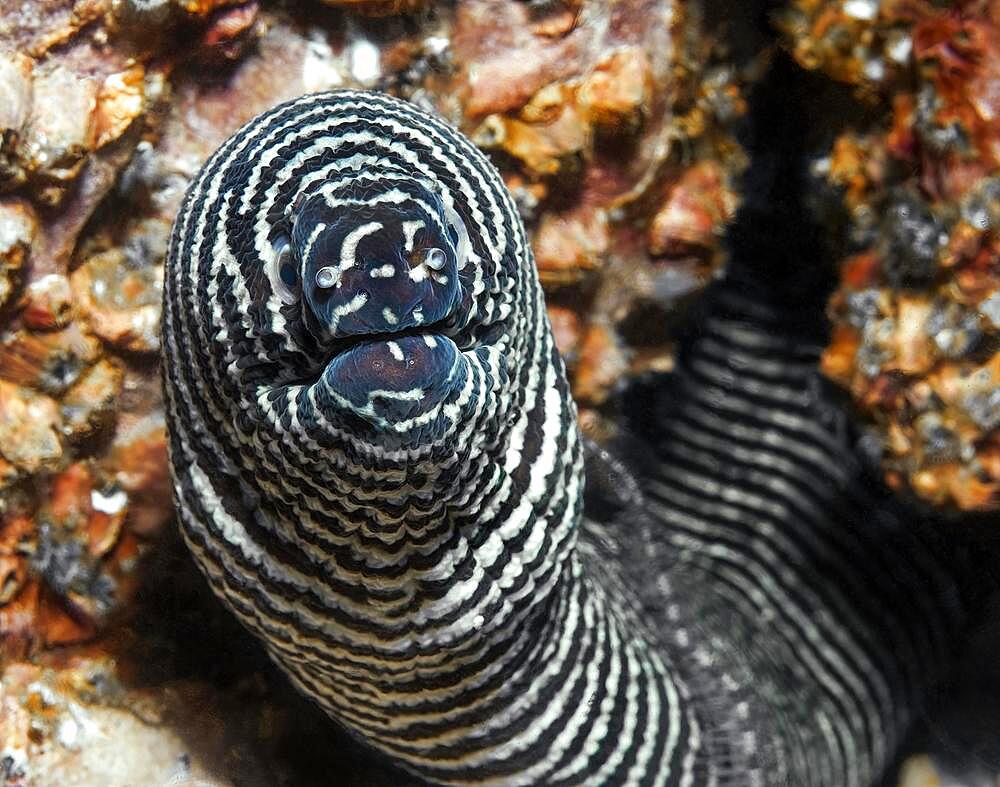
{"x":398,"y":516}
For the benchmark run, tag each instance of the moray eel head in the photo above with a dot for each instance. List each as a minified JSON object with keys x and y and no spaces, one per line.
{"x":373,"y":267}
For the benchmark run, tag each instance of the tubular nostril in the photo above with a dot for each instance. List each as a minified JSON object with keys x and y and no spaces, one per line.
{"x":327,"y":277}
{"x":435,"y":259}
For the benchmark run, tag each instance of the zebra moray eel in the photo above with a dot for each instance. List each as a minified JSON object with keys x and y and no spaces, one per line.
{"x":377,"y":466}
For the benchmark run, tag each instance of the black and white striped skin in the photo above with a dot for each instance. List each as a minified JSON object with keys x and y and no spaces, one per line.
{"x":378,"y":468}
{"x":795,"y":574}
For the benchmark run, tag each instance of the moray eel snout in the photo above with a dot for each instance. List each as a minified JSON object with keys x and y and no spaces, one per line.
{"x":375,"y":264}
{"x":373,"y":258}
{"x":392,"y":383}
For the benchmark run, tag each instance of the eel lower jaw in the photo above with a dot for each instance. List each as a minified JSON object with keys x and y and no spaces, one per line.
{"x":398,"y":382}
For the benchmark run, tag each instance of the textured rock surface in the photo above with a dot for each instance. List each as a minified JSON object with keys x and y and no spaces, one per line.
{"x":916,"y":336}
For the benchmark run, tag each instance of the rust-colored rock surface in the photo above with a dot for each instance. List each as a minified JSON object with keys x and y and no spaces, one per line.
{"x":916,"y":338}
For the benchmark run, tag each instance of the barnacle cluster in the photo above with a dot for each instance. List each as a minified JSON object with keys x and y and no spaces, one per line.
{"x":75,"y":385}
{"x":916,"y":333}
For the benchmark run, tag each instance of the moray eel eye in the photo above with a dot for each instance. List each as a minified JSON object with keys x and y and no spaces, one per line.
{"x":435,"y":259}
{"x":283,"y":273}
{"x":327,"y":277}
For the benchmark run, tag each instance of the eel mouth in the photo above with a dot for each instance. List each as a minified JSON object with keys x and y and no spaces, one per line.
{"x":395,"y":380}
{"x":344,"y":346}
{"x":439,"y":328}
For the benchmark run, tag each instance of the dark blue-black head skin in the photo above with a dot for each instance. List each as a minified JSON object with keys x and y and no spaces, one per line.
{"x":376,"y":257}
{"x":371,"y":267}
{"x":389,"y":383}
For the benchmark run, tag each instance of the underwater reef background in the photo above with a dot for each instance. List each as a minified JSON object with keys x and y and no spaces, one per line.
{"x":616,"y":126}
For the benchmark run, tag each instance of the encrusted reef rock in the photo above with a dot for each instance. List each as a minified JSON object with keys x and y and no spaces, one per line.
{"x":615,"y":141}
{"x":916,"y":334}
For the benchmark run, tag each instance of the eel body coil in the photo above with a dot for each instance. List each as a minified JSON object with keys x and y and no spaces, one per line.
{"x":377,"y":467}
